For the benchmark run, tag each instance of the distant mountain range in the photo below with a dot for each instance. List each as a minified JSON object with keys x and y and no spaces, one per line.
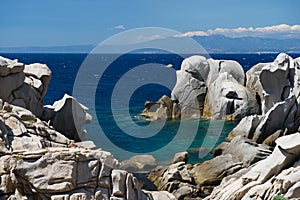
{"x":219,"y":43}
{"x":212,"y":44}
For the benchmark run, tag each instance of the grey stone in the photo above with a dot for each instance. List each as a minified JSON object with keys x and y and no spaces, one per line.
{"x":228,"y":99}
{"x":139,"y":163}
{"x":69,"y":118}
{"x":212,"y":171}
{"x":271,"y":176}
{"x":245,"y":127}
{"x":10,"y":83}
{"x":118,"y":179}
{"x":244,"y":150}
{"x":162,"y":195}
{"x":160,"y":110}
{"x":40,"y":72}
{"x":8,"y":66}
{"x":30,"y":97}
{"x":280,"y":116}
{"x":181,"y":157}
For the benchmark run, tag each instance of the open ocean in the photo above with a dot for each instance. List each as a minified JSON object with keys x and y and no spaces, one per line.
{"x":64,"y":69}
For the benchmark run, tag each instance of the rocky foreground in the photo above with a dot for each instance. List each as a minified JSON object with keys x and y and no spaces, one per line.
{"x":261,"y":157}
{"x":42,"y":155}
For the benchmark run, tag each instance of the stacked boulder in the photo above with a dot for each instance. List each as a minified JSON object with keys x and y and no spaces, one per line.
{"x":26,"y":85}
{"x":209,"y":88}
{"x":21,"y":130}
{"x":277,"y":85}
{"x":176,"y":179}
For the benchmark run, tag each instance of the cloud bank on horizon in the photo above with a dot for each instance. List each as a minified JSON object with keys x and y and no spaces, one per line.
{"x":282,"y":31}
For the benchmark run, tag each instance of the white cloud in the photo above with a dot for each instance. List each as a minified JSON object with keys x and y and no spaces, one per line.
{"x":122,"y":27}
{"x":277,"y":31}
{"x":147,"y":38}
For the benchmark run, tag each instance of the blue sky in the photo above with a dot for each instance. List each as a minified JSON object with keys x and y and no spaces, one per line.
{"x":77,"y":22}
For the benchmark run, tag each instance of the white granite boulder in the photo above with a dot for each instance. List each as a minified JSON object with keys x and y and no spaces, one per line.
{"x":269,"y":177}
{"x":190,"y":88}
{"x":228,"y":99}
{"x":283,"y":116}
{"x":211,"y":172}
{"x":28,"y":97}
{"x":243,"y":150}
{"x":280,"y":116}
{"x":180,"y":157}
{"x":275,"y":81}
{"x":39,"y":75}
{"x":24,"y":85}
{"x":245,"y":127}
{"x":208,"y":87}
{"x":69,"y":118}
{"x":21,"y":130}
{"x":8,"y":66}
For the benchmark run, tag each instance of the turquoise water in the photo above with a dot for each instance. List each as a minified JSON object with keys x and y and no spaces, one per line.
{"x":168,"y":139}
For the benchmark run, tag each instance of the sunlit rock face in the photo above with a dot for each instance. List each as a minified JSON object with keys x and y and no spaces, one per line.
{"x":208,"y":88}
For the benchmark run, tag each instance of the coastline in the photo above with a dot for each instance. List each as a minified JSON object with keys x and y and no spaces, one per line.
{"x":245,"y":163}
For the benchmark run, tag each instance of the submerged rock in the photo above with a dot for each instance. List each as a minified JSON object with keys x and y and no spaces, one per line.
{"x":139,"y":163}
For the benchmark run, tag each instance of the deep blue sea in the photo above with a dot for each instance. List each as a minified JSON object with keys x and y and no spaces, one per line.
{"x":64,"y":69}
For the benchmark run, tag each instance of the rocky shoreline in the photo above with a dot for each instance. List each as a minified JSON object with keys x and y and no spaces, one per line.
{"x":260,"y":158}
{"x":42,"y":155}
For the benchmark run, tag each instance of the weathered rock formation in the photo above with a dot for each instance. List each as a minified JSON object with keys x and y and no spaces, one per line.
{"x":209,"y":88}
{"x":39,"y":155}
{"x":139,"y":164}
{"x":176,"y":179}
{"x":260,"y":158}
{"x":278,"y":174}
{"x":21,"y":88}
{"x":26,"y":85}
{"x":68,"y":116}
